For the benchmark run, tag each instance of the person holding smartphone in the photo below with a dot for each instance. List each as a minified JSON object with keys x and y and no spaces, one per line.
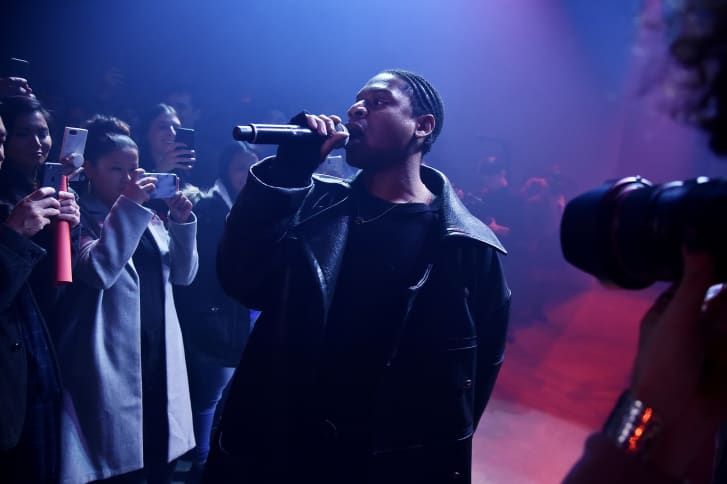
{"x":30,"y":391}
{"x":161,"y":152}
{"x":126,"y":414}
{"x":26,"y":150}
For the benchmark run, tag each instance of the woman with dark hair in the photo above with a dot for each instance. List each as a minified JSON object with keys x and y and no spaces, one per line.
{"x":27,"y":145}
{"x":126,"y":413}
{"x":215,"y":326}
{"x":160,"y":153}
{"x":30,"y":386}
{"x":232,"y":169}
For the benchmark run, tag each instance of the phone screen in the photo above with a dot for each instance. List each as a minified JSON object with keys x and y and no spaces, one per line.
{"x":167,"y":185}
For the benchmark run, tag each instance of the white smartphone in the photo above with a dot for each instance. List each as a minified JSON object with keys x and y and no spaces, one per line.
{"x":74,"y":142}
{"x":167,"y":185}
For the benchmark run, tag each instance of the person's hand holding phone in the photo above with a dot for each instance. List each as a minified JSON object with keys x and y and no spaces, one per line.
{"x":177,"y":157}
{"x":180,"y":208}
{"x":139,"y":187}
{"x":68,"y":163}
{"x":72,"y":149}
{"x":15,"y":86}
{"x":34,"y":212}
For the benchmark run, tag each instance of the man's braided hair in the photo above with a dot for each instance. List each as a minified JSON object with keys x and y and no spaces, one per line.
{"x":424,"y":100}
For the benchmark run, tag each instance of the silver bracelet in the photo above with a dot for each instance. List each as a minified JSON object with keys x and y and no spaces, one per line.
{"x":631,"y":425}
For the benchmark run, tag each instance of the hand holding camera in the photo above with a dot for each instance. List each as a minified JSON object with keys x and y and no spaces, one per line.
{"x":631,"y":233}
{"x":682,"y":342}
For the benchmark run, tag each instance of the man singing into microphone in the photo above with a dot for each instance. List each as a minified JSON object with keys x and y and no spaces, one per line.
{"x":384,"y":306}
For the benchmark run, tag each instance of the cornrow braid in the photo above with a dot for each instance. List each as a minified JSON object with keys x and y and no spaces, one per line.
{"x":424,"y":100}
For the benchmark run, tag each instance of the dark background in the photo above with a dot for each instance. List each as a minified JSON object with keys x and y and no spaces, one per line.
{"x":541,"y":83}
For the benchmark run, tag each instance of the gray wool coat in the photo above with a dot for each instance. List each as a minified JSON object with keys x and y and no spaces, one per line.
{"x":99,"y":344}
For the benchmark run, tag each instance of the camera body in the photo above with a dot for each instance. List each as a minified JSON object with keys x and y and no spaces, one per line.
{"x":630,"y":232}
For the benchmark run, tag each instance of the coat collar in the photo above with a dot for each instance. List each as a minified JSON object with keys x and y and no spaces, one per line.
{"x":93,"y":206}
{"x":457,"y":220}
{"x":221,"y":191}
{"x":96,"y":211}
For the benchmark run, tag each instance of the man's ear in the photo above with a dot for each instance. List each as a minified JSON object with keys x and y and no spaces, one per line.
{"x":425,"y":125}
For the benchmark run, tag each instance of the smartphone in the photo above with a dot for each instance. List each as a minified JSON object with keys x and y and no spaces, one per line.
{"x":74,"y":142}
{"x":186,"y":137}
{"x":16,"y":67}
{"x":167,"y":185}
{"x":52,"y":173}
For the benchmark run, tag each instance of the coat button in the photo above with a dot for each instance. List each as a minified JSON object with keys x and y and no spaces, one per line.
{"x":16,"y":347}
{"x":467,"y":384}
{"x":455,"y":477}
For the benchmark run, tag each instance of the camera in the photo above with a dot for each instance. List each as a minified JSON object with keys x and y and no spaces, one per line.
{"x":630,"y":232}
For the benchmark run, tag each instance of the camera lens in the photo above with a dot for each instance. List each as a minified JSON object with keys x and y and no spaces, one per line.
{"x":630,"y":232}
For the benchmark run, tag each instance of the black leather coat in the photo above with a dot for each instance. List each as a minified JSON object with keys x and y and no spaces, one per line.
{"x":281,"y":253}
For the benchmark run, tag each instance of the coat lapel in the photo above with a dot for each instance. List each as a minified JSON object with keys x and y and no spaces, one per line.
{"x":324,"y":241}
{"x":159,"y":233}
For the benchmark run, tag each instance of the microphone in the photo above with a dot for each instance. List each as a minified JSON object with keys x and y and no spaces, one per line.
{"x":279,"y":134}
